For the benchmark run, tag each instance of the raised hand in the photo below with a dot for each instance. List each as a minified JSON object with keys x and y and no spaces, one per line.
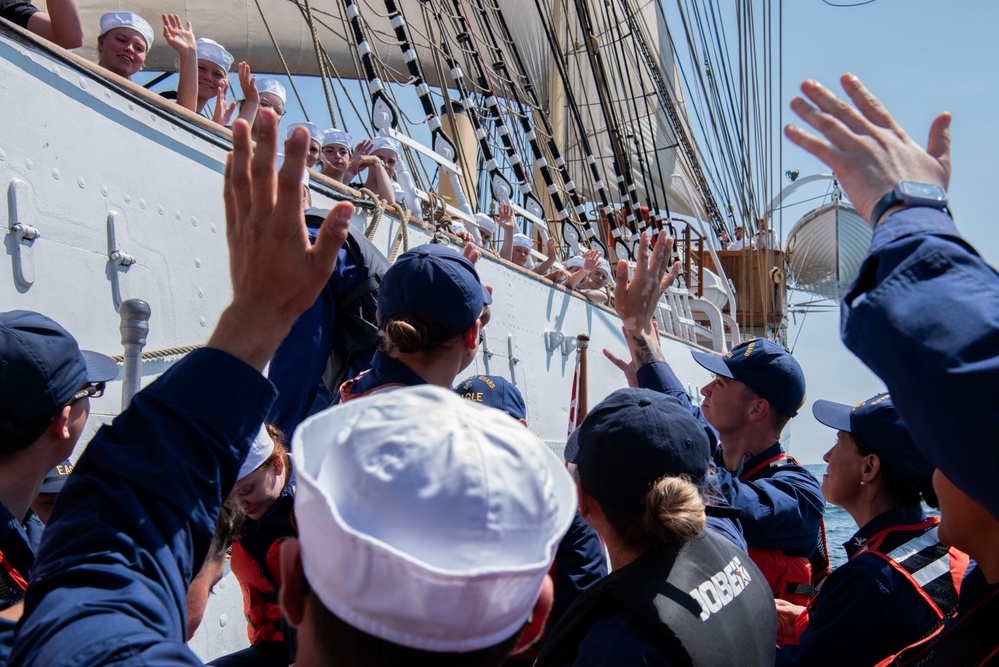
{"x":591,"y":260}
{"x":504,"y":216}
{"x":868,"y":151}
{"x":269,"y":248}
{"x":358,"y":163}
{"x":223,"y":113}
{"x":251,"y":98}
{"x":181,"y":39}
{"x":179,"y":36}
{"x":636,"y":301}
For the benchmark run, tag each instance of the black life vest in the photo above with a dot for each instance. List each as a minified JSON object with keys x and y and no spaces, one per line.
{"x":705,"y":600}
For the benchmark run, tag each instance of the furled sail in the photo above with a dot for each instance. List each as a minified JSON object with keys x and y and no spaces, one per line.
{"x":643,"y":109}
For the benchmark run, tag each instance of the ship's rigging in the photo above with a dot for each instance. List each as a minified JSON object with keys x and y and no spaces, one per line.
{"x":612,"y":99}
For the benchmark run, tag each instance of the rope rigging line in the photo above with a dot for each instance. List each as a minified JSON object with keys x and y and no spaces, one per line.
{"x":617,"y":46}
{"x":551,"y":145}
{"x":465,"y":34}
{"x":621,"y":175}
{"x":527,"y":128}
{"x":284,"y":63}
{"x":597,"y":182}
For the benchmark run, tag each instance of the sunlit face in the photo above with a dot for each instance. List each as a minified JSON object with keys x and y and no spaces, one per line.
{"x":841,"y":483}
{"x":312,"y":157}
{"x":520,"y":255}
{"x":388,"y":158}
{"x":595,"y":280}
{"x":121,"y":50}
{"x":725,"y":403}
{"x":272,"y":102}
{"x":337,"y":155}
{"x":210,"y":78}
{"x":257,"y":492}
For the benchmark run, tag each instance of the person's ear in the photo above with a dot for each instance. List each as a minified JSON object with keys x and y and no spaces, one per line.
{"x":278,"y":465}
{"x":471,"y":336}
{"x":60,"y":425}
{"x":538,"y":620}
{"x":291,"y":597}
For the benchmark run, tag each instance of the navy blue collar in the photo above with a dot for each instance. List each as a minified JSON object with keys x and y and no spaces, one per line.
{"x":394,"y":371}
{"x":900,"y":516}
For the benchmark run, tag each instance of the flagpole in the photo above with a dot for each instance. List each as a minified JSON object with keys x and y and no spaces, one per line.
{"x":582,"y":345}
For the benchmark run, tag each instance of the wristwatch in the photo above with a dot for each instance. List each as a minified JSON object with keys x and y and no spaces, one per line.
{"x":910,"y":193}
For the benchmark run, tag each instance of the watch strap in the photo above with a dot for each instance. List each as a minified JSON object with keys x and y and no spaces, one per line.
{"x":889,"y":199}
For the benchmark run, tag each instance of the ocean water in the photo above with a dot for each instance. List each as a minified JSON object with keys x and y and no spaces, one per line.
{"x":840,"y":526}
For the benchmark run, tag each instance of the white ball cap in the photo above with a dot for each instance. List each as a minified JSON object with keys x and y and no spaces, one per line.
{"x":485,"y":223}
{"x":213,"y":52}
{"x":386,"y":144}
{"x":334,"y":137}
{"x":113,"y":20}
{"x":428,"y":520}
{"x":260,"y":451}
{"x":314,"y":132}
{"x":274,"y":87}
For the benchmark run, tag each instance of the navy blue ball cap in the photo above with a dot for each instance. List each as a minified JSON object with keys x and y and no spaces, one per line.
{"x":882,"y":431}
{"x":494,"y":391}
{"x":763,"y":366}
{"x":57,"y":477}
{"x":435,"y":281}
{"x":41,"y":368}
{"x":631,"y":439}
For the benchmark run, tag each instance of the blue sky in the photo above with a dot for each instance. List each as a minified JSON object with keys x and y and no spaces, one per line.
{"x":920,"y":57}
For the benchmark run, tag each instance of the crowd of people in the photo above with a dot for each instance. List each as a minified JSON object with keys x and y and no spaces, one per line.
{"x":419,"y":521}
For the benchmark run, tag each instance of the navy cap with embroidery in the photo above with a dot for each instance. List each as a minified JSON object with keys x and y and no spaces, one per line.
{"x":435,"y":281}
{"x":494,"y":391}
{"x":57,"y":477}
{"x":763,"y":366}
{"x":41,"y":368}
{"x":631,"y":439}
{"x":882,"y":431}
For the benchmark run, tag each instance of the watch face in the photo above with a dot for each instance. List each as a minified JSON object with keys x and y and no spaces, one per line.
{"x":922,"y":190}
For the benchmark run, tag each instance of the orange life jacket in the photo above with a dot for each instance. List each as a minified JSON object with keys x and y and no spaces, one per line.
{"x":791,"y":578}
{"x":260,"y":587}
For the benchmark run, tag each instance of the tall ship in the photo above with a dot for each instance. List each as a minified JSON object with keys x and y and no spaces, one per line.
{"x":596,"y":121}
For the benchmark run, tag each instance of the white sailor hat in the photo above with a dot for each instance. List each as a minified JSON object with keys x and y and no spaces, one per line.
{"x":314,"y":132}
{"x":574,"y":262}
{"x":113,"y":20}
{"x":386,"y":144}
{"x":213,"y":52}
{"x":260,"y":451}
{"x":471,"y":508}
{"x":335,"y":136}
{"x":274,"y":87}
{"x":485,"y":223}
{"x":522,"y":241}
{"x":605,"y":267}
